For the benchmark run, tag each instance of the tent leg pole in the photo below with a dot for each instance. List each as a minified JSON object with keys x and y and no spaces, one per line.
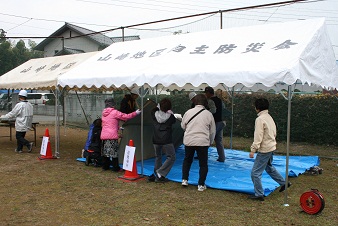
{"x":64,"y":113}
{"x":287,"y":147}
{"x":57,"y":124}
{"x":142,"y":113}
{"x":232,"y":117}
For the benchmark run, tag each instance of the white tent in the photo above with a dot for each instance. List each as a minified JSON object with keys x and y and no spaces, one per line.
{"x":41,"y":73}
{"x":266,"y":54}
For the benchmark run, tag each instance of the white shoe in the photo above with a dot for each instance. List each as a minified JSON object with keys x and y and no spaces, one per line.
{"x":17,"y":151}
{"x":201,"y":187}
{"x":30,"y":148}
{"x":184,"y":183}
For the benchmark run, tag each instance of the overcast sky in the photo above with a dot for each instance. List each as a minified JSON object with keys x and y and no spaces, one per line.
{"x":32,"y":18}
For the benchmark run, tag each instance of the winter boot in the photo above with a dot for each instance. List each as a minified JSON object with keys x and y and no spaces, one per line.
{"x":116,"y":166}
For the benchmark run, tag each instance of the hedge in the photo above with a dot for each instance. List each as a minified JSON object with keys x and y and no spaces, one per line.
{"x":314,"y":118}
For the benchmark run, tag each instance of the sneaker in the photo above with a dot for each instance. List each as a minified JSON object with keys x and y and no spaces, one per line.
{"x":30,"y":147}
{"x":17,"y":151}
{"x":184,"y":183}
{"x":161,"y":180}
{"x":282,"y":188}
{"x":151,"y":178}
{"x":258,"y":198}
{"x":201,"y":187}
{"x":117,"y":169}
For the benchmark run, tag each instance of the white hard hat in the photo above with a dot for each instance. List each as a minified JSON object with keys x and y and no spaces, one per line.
{"x":23,"y":93}
{"x":192,"y":95}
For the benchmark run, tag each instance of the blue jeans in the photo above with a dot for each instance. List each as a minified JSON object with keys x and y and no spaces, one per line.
{"x":263,"y":162}
{"x":219,"y":141}
{"x":202,"y":154}
{"x":169,"y":149}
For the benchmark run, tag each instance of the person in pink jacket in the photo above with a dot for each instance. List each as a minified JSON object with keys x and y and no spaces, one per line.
{"x":109,"y":134}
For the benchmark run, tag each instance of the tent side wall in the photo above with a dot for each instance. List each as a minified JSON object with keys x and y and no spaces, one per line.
{"x":132,"y":130}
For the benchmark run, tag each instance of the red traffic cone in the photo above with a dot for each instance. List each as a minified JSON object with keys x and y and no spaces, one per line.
{"x":49,"y":149}
{"x":131,"y":175}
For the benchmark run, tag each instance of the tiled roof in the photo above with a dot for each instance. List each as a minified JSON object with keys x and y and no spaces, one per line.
{"x":101,"y":39}
{"x":126,"y":38}
{"x":68,"y":51}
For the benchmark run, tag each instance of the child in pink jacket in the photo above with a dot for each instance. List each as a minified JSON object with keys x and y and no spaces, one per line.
{"x":109,"y":134}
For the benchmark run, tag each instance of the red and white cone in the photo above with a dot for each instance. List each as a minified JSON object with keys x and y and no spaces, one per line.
{"x":49,"y":154}
{"x":131,"y":175}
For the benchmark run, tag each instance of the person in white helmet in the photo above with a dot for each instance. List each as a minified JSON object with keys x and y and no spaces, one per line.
{"x":23,"y":112}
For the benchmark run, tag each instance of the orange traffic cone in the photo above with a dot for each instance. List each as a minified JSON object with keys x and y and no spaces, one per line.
{"x":131,"y":175}
{"x":49,"y":149}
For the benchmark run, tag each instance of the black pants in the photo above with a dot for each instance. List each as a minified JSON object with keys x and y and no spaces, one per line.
{"x":202,"y":154}
{"x":20,"y":140}
{"x":95,"y":158}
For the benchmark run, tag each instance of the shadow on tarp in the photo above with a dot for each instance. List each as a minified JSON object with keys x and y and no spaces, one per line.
{"x":234,"y":173}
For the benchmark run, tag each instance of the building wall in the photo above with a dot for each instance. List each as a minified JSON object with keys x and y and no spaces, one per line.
{"x":81,"y":43}
{"x":84,"y":107}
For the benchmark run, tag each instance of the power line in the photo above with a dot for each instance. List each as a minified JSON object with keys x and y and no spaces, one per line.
{"x":236,"y":10}
{"x":50,"y":20}
{"x":158,"y":29}
{"x":202,"y":14}
{"x":136,"y":7}
{"x":19,"y":24}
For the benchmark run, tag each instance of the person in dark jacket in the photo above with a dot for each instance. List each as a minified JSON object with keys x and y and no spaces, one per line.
{"x":94,"y":148}
{"x":210,"y":94}
{"x":163,"y":119}
{"x":128,"y":103}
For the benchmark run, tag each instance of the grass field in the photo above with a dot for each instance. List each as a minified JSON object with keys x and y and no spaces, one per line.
{"x":66,"y":192}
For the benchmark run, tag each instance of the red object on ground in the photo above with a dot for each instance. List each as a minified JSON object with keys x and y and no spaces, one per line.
{"x":131,"y":175}
{"x":49,"y":154}
{"x":312,"y":202}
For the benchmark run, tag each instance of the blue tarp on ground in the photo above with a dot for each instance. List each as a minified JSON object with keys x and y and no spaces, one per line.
{"x":234,"y":173}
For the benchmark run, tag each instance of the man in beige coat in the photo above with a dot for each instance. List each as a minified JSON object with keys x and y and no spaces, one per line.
{"x":264,"y":145}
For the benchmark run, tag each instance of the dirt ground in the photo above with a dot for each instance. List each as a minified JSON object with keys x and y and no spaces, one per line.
{"x":66,"y":192}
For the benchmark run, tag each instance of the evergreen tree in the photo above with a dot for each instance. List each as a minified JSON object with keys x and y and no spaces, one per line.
{"x":2,"y":35}
{"x":14,"y":54}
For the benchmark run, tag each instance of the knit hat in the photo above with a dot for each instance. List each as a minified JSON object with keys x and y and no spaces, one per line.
{"x":209,"y":89}
{"x":109,"y":103}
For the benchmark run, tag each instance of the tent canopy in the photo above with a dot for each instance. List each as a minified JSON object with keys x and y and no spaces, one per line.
{"x":41,"y":73}
{"x":266,"y":54}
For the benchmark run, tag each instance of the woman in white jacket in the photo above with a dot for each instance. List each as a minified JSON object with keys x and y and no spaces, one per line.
{"x":199,"y":133}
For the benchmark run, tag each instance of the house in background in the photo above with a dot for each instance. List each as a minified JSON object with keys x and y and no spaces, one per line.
{"x":86,"y":41}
